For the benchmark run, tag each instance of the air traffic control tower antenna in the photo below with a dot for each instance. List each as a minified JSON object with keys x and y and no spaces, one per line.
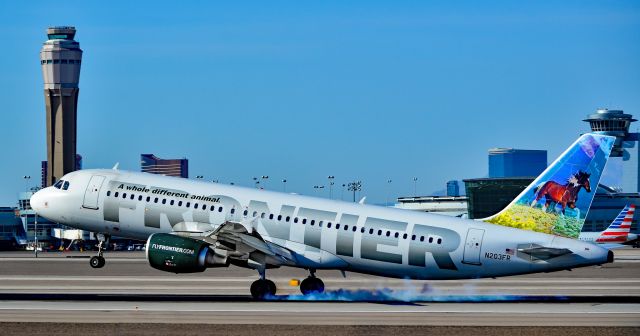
{"x":60,"y":58}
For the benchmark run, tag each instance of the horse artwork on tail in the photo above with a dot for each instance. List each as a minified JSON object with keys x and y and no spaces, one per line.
{"x":563,"y":194}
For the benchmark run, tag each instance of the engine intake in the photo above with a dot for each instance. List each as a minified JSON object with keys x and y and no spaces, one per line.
{"x":176,"y":254}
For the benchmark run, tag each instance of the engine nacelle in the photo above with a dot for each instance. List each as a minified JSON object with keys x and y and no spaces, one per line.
{"x":176,"y":254}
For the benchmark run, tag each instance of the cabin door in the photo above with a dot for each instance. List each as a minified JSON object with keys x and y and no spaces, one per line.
{"x":92,"y":192}
{"x":472,"y":246}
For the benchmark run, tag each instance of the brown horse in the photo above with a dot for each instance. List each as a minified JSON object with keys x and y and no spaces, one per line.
{"x":565,"y":194}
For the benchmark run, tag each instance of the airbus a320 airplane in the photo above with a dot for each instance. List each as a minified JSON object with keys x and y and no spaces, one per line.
{"x":192,"y":225}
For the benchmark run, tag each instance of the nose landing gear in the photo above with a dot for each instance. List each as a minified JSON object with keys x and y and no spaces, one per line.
{"x":98,"y":261}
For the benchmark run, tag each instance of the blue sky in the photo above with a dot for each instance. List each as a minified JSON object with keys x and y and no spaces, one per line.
{"x":370,"y":90}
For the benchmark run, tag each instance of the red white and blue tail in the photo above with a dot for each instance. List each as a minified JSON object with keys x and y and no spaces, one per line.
{"x":618,"y":231}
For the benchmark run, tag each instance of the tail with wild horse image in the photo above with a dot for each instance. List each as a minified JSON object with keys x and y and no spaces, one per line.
{"x":557,"y":202}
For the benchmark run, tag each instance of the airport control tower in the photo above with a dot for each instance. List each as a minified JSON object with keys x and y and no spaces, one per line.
{"x":61,"y":58}
{"x":616,"y":123}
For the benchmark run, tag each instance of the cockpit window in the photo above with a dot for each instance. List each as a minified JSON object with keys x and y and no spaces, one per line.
{"x":65,"y":186}
{"x":58,"y":184}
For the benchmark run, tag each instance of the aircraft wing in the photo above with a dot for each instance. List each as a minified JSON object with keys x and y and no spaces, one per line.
{"x":240,"y":242}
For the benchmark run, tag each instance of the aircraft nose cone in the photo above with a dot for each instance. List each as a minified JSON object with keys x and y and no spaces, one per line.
{"x":38,"y":202}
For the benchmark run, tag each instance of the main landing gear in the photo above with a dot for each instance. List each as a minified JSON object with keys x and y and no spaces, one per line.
{"x":262,"y":288}
{"x":312,"y":284}
{"x":98,"y":261}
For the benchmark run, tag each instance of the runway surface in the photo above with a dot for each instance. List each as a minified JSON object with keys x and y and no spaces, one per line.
{"x":61,"y":288}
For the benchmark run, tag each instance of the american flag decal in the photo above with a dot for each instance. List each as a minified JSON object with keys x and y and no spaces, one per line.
{"x":509,"y":251}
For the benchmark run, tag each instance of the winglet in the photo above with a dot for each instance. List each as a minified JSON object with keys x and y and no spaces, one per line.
{"x":115,"y":167}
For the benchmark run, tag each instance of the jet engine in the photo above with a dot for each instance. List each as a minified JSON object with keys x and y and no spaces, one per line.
{"x":176,"y":254}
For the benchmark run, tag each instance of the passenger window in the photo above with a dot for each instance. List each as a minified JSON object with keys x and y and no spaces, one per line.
{"x":329,"y":225}
{"x":155,"y":200}
{"x":188,"y":204}
{"x":140,"y":198}
{"x":271,"y":216}
{"x":179,"y":203}
{"x":439,"y":241}
{"x":124,"y":195}
{"x":233,"y":211}
{"x":396,"y":235}
{"x":313,"y":222}
{"x":279,"y":217}
{"x":255,"y":214}
{"x":304,"y":221}
{"x":195,"y":206}
{"x":109,"y":193}
{"x":362,"y":229}
{"x":320,"y":223}
{"x":212,"y":208}
{"x":404,"y":236}
{"x":148,"y":199}
{"x":263,"y":215}
{"x":370,"y":231}
{"x":288,"y":218}
{"x":244,"y":213}
{"x":379,"y":232}
{"x":220,"y":209}
{"x":413,"y":237}
{"x":421,"y":238}
{"x":66,"y":185}
{"x":116,"y":194}
{"x":346,"y":227}
{"x":354,"y":229}
{"x":388,"y":233}
{"x":132,"y":196}
{"x":295,"y":220}
{"x":171,"y":203}
{"x":164,"y":201}
{"x":430,"y":239}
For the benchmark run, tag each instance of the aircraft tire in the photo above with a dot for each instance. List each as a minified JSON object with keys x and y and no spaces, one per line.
{"x":311,"y":285}
{"x":97,"y":262}
{"x":260,"y":289}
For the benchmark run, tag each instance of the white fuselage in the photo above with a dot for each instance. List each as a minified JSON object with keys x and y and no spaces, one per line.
{"x":320,"y":233}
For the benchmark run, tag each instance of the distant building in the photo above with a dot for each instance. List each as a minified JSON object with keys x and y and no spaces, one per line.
{"x":150,"y":163}
{"x":60,"y":59}
{"x":616,"y":123}
{"x":442,"y":205}
{"x":12,"y":233}
{"x":487,"y":196}
{"x":453,"y":188}
{"x":509,"y":162}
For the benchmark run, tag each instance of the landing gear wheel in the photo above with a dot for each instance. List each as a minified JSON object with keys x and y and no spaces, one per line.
{"x":311,"y":285}
{"x":262,"y":288}
{"x":97,"y":262}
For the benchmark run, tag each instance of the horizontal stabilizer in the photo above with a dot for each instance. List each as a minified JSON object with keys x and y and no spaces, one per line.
{"x":545,"y":253}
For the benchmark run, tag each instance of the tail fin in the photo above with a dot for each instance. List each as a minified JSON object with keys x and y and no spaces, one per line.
{"x":618,"y":231}
{"x":557,"y":202}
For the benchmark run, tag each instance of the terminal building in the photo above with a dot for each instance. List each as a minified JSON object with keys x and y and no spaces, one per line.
{"x":510,"y":162}
{"x":150,"y":163}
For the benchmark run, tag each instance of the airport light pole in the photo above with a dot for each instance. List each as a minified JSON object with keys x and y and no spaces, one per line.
{"x":284,"y":185}
{"x":342,"y":192}
{"x":388,"y":190}
{"x":26,"y":215}
{"x":355,"y":186}
{"x":264,"y":181}
{"x":331,"y":183}
{"x":415,"y":187}
{"x":318,"y":187}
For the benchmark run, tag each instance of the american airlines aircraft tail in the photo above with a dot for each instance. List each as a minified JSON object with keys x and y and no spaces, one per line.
{"x":193,"y":225}
{"x":618,"y":231}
